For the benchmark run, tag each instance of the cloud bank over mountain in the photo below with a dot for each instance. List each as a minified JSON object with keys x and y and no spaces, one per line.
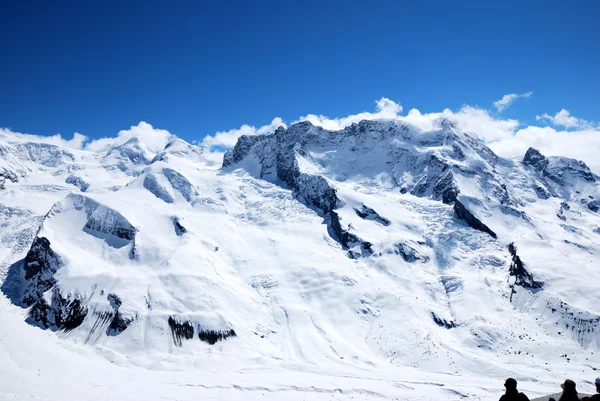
{"x":560,"y":134}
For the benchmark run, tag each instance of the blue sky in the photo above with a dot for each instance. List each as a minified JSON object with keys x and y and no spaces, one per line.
{"x":196,"y":68}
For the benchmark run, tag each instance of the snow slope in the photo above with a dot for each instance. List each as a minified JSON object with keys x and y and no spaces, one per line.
{"x":378,"y":261}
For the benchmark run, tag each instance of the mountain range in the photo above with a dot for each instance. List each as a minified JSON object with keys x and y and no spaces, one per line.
{"x":380,"y":252}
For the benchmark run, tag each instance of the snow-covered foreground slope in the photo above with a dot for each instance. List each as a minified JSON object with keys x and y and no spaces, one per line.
{"x":374,"y":262}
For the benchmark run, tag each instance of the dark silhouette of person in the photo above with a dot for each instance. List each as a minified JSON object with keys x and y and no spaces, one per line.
{"x":512,"y":394}
{"x":595,"y":397}
{"x":569,"y":391}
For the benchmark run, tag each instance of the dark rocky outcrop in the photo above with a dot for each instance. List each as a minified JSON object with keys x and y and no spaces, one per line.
{"x":67,"y":311}
{"x":180,"y":184}
{"x":6,"y":174}
{"x":278,"y":159}
{"x":110,"y":223}
{"x":241,"y":149}
{"x":180,"y":331}
{"x":316,"y":192}
{"x":367,"y":213}
{"x":583,"y":326}
{"x":445,"y":189}
{"x":347,"y":239}
{"x":559,"y":173}
{"x":409,"y":254}
{"x":39,"y":266}
{"x":464,"y":214}
{"x":184,"y":330}
{"x":535,"y":159}
{"x":63,"y":313}
{"x":78,"y":182}
{"x":517,"y":270}
{"x":212,"y":336}
{"x":119,"y":322}
{"x":151,"y":184}
{"x":179,"y":229}
{"x":443,"y":322}
{"x":564,"y":207}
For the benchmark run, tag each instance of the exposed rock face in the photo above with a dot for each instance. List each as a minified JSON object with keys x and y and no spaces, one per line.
{"x":180,"y":331}
{"x":40,"y":265}
{"x":106,"y":223}
{"x":158,"y":183}
{"x":180,"y":184}
{"x":186,"y":329}
{"x":242,"y":149}
{"x":66,"y":312}
{"x":62,"y":313}
{"x":367,"y":213}
{"x":409,"y":254}
{"x":534,"y":158}
{"x":347,"y":239}
{"x":522,"y":277}
{"x":558,"y":174}
{"x":581,"y":325}
{"x":278,"y":158}
{"x":464,"y":214}
{"x":151,"y":184}
{"x":211,"y":337}
{"x":179,"y":229}
{"x":443,"y":322}
{"x":78,"y":182}
{"x":316,"y":192}
{"x":118,"y":321}
{"x":6,"y":174}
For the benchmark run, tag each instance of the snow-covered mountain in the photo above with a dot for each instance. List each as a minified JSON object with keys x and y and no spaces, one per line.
{"x":379,"y":248}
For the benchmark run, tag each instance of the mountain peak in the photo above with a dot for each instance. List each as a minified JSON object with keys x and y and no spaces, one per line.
{"x":181,"y":147}
{"x":533,"y":157}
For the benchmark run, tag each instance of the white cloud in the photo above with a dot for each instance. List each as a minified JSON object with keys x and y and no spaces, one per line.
{"x":564,"y":119}
{"x":479,"y":122}
{"x":228,"y":139}
{"x":581,"y":144}
{"x":385,"y":109}
{"x":472,"y":120}
{"x":468,"y":119}
{"x":154,"y":139}
{"x":506,"y":100}
{"x":74,"y":143}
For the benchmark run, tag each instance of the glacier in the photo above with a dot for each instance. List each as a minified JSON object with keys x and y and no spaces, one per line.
{"x":380,"y":261}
